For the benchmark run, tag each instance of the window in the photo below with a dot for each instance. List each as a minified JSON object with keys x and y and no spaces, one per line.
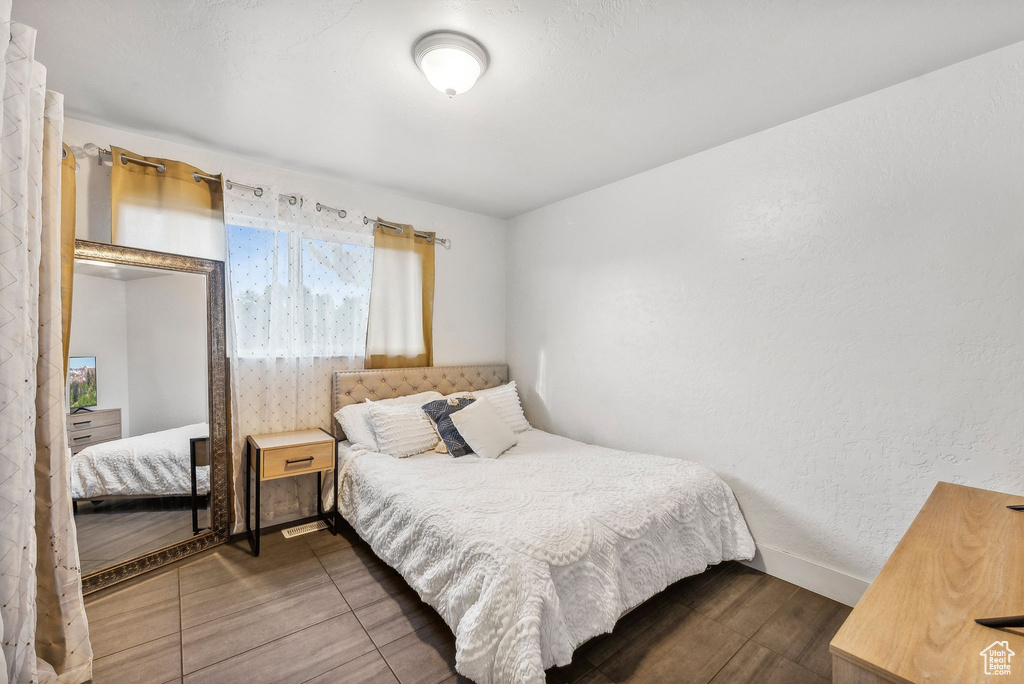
{"x":300,"y":292}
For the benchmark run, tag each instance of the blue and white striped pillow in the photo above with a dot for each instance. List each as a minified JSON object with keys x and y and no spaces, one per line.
{"x":440,"y":412}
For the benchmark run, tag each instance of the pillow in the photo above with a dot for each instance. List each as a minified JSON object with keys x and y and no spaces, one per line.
{"x":355,"y":418}
{"x":483,"y":429}
{"x":401,"y":429}
{"x":505,"y":400}
{"x":440,"y":412}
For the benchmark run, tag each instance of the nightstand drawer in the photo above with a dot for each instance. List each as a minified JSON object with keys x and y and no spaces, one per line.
{"x":288,"y":461}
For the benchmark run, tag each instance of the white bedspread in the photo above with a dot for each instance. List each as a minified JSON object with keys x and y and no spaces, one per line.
{"x":154,"y":464}
{"x":531,"y":554}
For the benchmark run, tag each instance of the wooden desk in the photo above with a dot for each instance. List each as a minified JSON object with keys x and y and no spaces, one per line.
{"x":961,"y":559}
{"x":286,"y":454}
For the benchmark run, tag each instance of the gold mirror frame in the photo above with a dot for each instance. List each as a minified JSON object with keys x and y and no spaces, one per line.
{"x":216,"y":345}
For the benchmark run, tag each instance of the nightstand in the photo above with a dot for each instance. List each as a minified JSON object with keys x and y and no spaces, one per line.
{"x":287,"y":454}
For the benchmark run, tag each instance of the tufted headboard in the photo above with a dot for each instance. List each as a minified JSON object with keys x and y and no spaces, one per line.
{"x":351,"y":387}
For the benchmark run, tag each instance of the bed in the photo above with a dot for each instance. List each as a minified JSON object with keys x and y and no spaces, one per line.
{"x":153,"y":464}
{"x":529,"y":555}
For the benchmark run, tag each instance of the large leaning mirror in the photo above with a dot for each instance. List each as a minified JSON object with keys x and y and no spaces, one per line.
{"x":147,"y":421}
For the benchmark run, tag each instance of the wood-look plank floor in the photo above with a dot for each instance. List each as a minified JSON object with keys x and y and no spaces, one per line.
{"x":113,"y":531}
{"x":322,"y":608}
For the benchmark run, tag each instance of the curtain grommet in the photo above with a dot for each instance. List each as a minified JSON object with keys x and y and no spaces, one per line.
{"x":160,"y":168}
{"x":341,"y":212}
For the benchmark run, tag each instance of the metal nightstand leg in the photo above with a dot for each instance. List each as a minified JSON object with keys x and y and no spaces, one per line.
{"x":258,"y":521}
{"x":320,"y":494}
{"x":253,"y":535}
{"x":334,"y":476}
{"x":195,"y":503}
{"x":329,"y":517}
{"x":248,"y":497}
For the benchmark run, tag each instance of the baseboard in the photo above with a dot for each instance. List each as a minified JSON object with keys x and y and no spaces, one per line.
{"x":836,"y":585}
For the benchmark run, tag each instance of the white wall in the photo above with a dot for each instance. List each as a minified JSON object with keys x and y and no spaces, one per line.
{"x":830,"y":314}
{"x":469,"y":291}
{"x":98,"y":329}
{"x":149,"y":339}
{"x":167,"y":353}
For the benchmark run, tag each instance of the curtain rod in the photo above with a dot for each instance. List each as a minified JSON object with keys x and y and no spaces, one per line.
{"x":445,"y":242}
{"x":258,"y":191}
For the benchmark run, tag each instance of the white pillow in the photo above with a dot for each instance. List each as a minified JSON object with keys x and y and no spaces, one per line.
{"x":355,"y":418}
{"x":483,"y":429}
{"x":402,"y":430}
{"x":505,"y":400}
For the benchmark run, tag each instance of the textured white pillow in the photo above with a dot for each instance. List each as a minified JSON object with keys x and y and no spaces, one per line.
{"x":483,"y":429}
{"x":505,"y":400}
{"x":402,"y":430}
{"x":355,"y":418}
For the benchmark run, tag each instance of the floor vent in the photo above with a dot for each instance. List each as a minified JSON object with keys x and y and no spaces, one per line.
{"x":304,"y":529}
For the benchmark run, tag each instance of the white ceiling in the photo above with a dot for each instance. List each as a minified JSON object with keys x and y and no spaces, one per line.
{"x":578,"y":94}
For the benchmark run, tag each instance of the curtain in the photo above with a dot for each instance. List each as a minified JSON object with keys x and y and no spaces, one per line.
{"x":67,"y":243}
{"x":165,"y":206}
{"x":45,"y":633}
{"x":400,"y":328}
{"x":298,"y":300}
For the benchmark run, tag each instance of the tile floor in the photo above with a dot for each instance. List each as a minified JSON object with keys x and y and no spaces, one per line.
{"x":320,"y":608}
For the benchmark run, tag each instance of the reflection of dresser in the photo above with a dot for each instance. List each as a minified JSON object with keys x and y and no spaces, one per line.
{"x":93,"y":427}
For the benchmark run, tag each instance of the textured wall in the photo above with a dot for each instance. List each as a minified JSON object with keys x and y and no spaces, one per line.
{"x":829,"y":313}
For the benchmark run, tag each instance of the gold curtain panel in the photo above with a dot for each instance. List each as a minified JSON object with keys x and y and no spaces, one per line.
{"x":399,"y":333}
{"x":143,"y":196}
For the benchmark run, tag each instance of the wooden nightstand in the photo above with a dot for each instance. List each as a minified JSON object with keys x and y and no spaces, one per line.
{"x":286,"y":454}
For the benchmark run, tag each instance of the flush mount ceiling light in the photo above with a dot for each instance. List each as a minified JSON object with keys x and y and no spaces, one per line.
{"x":452,"y":62}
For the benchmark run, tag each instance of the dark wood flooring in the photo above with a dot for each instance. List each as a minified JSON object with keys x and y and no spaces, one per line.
{"x":319,"y":608}
{"x":113,"y":531}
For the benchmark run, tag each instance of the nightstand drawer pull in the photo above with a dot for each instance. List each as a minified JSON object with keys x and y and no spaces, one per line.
{"x":81,"y":423}
{"x":290,"y":461}
{"x":82,"y":437}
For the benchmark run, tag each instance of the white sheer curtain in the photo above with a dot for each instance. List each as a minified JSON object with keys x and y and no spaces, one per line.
{"x":45,"y":633}
{"x":299,"y":291}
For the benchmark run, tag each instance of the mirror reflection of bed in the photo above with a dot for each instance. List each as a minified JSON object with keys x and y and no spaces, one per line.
{"x":138,"y":431}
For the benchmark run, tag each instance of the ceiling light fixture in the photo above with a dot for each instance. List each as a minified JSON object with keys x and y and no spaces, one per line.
{"x":452,"y":62}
